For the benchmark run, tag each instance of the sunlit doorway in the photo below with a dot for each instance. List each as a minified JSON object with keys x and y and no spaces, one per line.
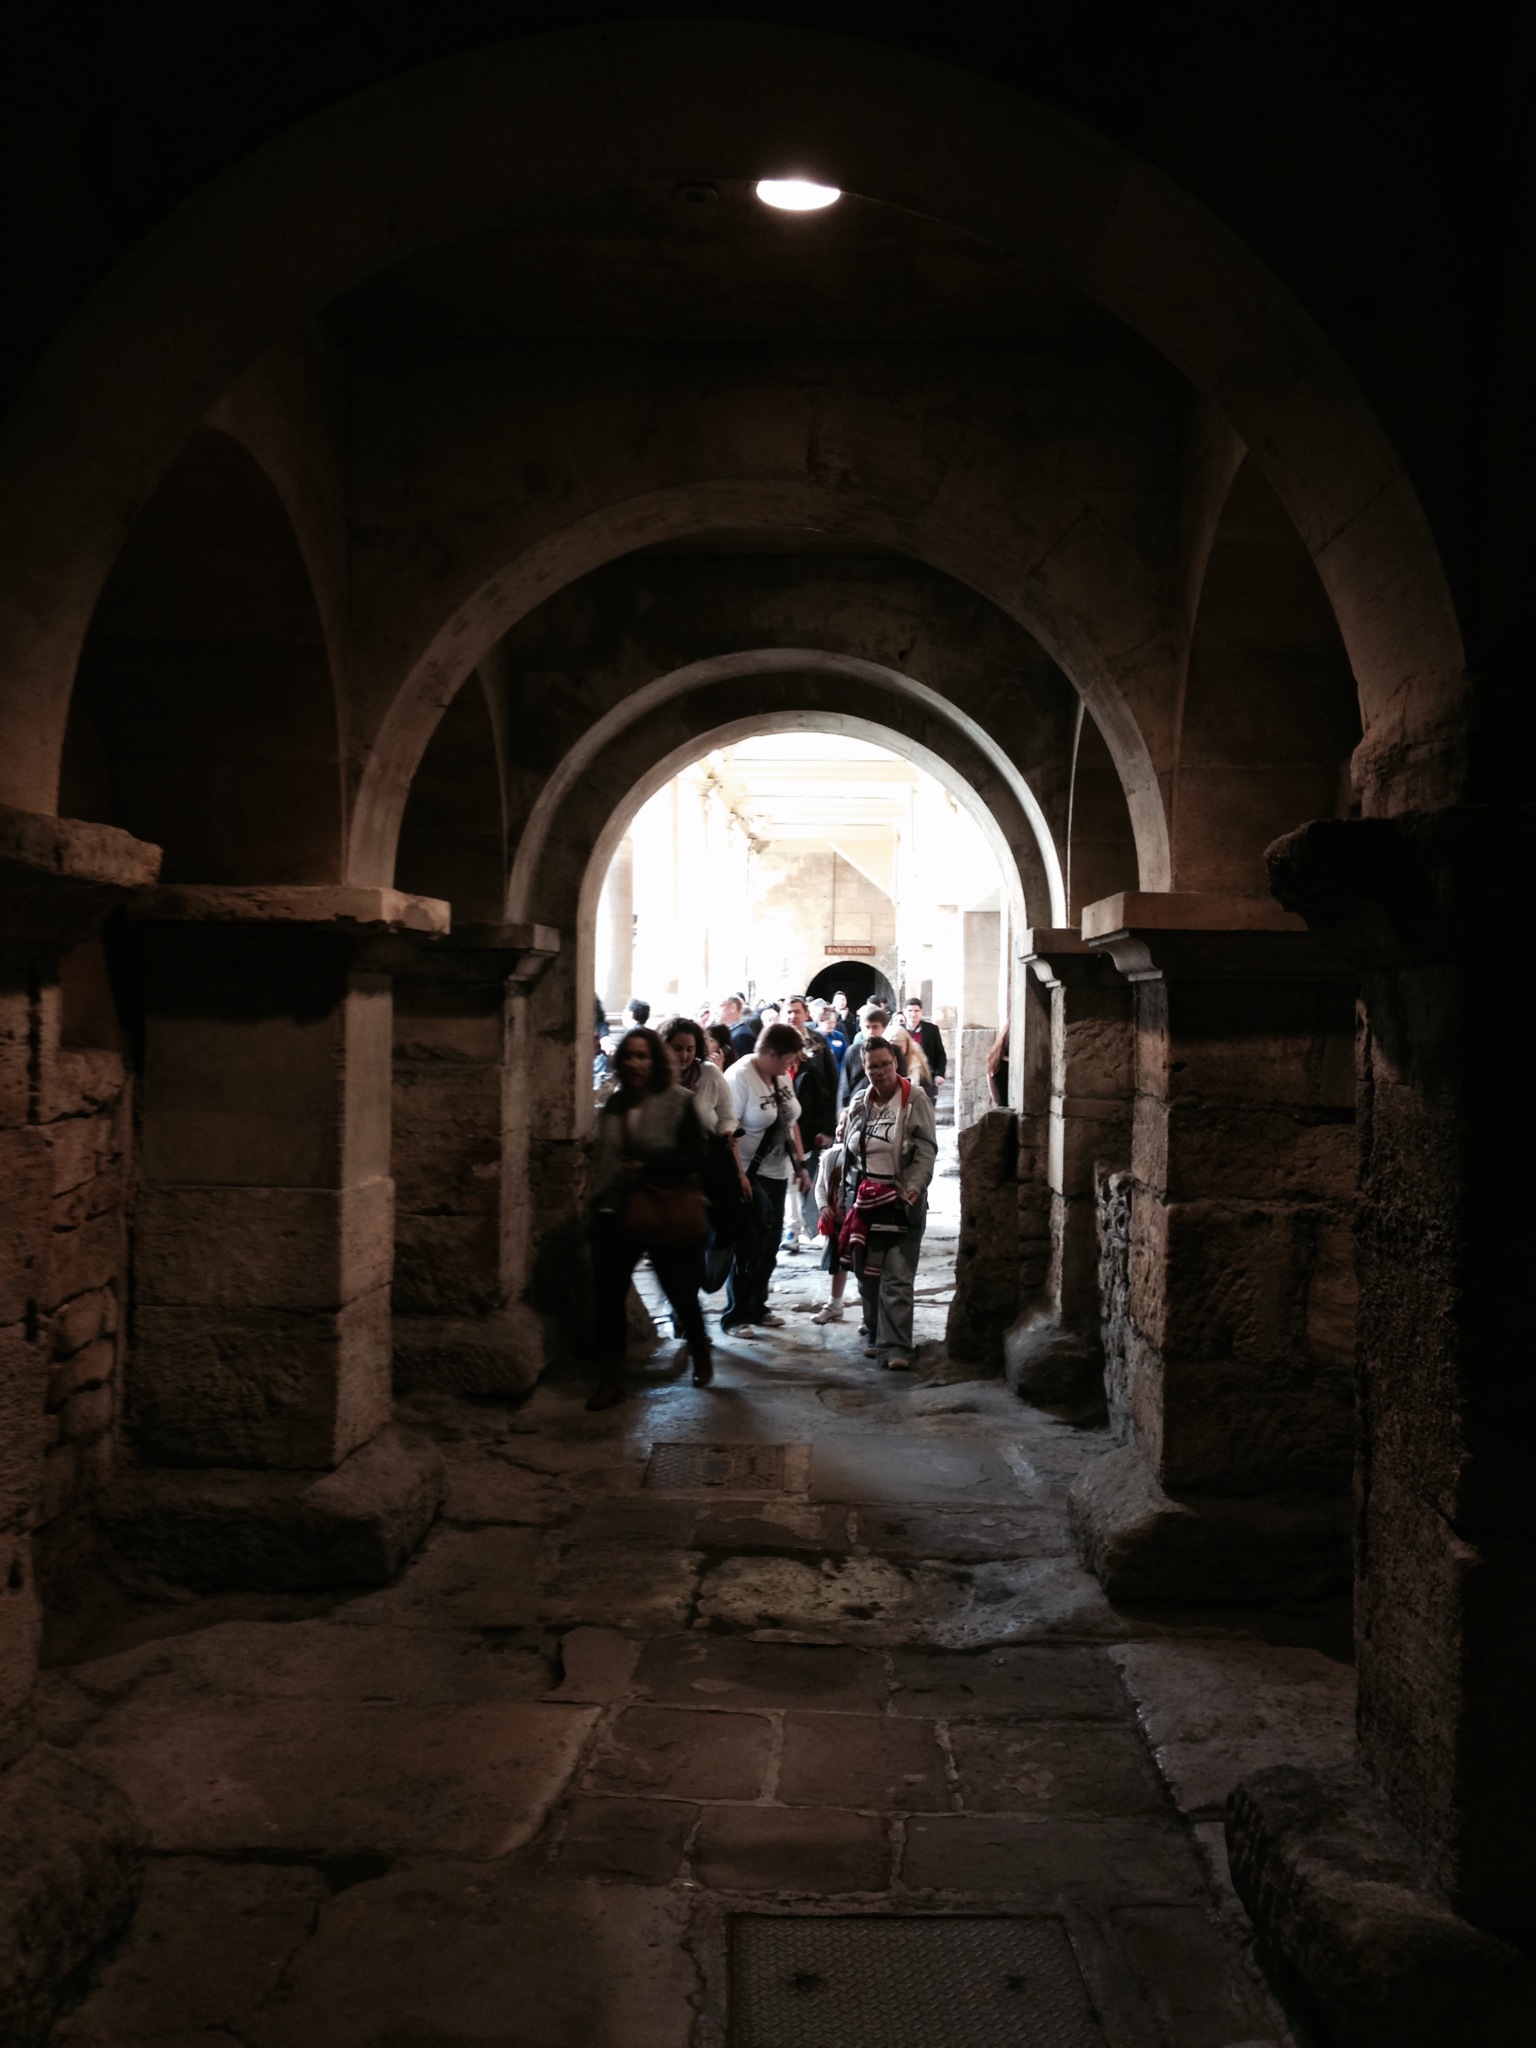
{"x":805,"y":862}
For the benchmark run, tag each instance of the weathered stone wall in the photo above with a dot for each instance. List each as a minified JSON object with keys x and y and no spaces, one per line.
{"x":1446,"y":1532}
{"x":1114,"y":1234}
{"x":1231,"y":1361}
{"x":1240,"y":1334}
{"x":89,"y":1145}
{"x":973,"y":1097}
{"x":1004,"y":1246}
{"x":449,"y":1083}
{"x":803,"y":900}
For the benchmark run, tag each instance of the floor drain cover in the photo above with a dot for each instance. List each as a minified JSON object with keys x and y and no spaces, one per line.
{"x":930,"y":1981}
{"x":734,"y":1468}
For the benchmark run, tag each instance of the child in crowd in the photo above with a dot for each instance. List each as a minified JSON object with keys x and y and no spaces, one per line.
{"x":829,"y":1198}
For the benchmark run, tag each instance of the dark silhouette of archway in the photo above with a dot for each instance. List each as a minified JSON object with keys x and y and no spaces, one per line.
{"x":858,"y":979}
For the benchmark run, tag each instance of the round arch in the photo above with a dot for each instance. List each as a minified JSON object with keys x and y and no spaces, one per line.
{"x":337,"y":198}
{"x":662,"y":772}
{"x":924,"y":726}
{"x":857,"y":979}
{"x":206,"y":700}
{"x":1018,"y":589}
{"x":569,"y":840}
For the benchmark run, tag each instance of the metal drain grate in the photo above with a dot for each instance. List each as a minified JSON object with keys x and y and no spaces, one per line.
{"x":919,"y":1981}
{"x":733,"y":1468}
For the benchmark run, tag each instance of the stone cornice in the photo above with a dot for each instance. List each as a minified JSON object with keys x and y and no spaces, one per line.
{"x":60,"y":876}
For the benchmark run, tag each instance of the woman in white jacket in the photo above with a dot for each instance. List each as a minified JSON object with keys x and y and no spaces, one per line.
{"x":889,"y":1149}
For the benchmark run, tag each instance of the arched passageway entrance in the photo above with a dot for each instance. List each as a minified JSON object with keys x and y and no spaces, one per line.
{"x":856,"y":979}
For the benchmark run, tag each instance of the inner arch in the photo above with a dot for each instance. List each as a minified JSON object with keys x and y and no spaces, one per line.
{"x":578,"y":765}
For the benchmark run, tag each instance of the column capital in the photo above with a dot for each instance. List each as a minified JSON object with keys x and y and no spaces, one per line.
{"x":1061,"y":957}
{"x":1168,"y":936}
{"x":1395,"y":892}
{"x":515,"y":954}
{"x":60,"y":876}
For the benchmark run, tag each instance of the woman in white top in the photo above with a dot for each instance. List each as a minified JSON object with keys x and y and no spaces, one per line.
{"x":889,"y":1148}
{"x":765,"y":1112}
{"x":704,"y":1080}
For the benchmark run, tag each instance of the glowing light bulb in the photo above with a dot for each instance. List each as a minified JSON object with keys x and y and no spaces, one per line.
{"x":796,"y":195}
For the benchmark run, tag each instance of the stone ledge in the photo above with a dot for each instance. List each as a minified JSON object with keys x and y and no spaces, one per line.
{"x":1214,"y":1551}
{"x":280,"y":1531}
{"x":1043,"y":940}
{"x":36,"y":845}
{"x":60,"y":876}
{"x":318,"y":904}
{"x":1158,"y":911}
{"x":71,"y":1863}
{"x":1344,"y":1907}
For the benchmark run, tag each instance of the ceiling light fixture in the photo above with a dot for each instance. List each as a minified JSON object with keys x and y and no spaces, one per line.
{"x":796,"y":195}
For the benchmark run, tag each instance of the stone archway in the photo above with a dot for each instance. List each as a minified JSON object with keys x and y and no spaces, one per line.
{"x":569,"y":839}
{"x":238,"y":267}
{"x":856,"y":979}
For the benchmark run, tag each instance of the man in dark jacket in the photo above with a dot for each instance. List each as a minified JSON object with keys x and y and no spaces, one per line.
{"x":872,"y":1023}
{"x":732,"y":1013}
{"x":931,"y":1039}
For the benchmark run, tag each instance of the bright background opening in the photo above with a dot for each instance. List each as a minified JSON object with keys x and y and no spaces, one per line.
{"x":775,"y":863}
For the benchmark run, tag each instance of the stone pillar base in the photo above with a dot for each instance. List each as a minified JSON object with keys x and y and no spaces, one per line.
{"x":280,"y":1531}
{"x":501,"y":1354}
{"x":1057,"y":1369}
{"x":1210,"y":1551}
{"x":1346,"y":1913}
{"x":993,"y":1261}
{"x":71,"y":1861}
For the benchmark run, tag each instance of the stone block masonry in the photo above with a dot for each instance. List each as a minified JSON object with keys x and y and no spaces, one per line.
{"x":89,"y":1149}
{"x":1230,"y":1296}
{"x":70,"y":1851}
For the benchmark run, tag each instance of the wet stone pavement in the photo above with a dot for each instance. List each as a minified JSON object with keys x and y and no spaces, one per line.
{"x":529,"y":1796}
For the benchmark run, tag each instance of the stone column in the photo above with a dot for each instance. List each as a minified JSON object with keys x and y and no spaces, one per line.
{"x":977,"y":1027}
{"x":1032,"y":1025}
{"x":1232,"y":1380}
{"x":1446,"y":1525}
{"x":1054,"y":1354}
{"x":264,"y":1243}
{"x":70,"y":1848}
{"x":1004,"y":1249}
{"x":462,"y":1222}
{"x":616,"y":928}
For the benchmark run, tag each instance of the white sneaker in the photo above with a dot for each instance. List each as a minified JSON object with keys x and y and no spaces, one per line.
{"x":770,"y":1321}
{"x":829,"y":1312}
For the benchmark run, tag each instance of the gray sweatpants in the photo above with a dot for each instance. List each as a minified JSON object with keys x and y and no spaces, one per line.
{"x":888,"y":1297}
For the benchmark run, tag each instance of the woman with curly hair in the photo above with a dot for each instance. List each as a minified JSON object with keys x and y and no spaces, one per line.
{"x":648,"y":1161}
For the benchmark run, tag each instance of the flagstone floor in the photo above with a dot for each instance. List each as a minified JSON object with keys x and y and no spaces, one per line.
{"x":845,"y":1662}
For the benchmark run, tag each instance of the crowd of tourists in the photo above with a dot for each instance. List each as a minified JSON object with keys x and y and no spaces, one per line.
{"x":730,"y":1137}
